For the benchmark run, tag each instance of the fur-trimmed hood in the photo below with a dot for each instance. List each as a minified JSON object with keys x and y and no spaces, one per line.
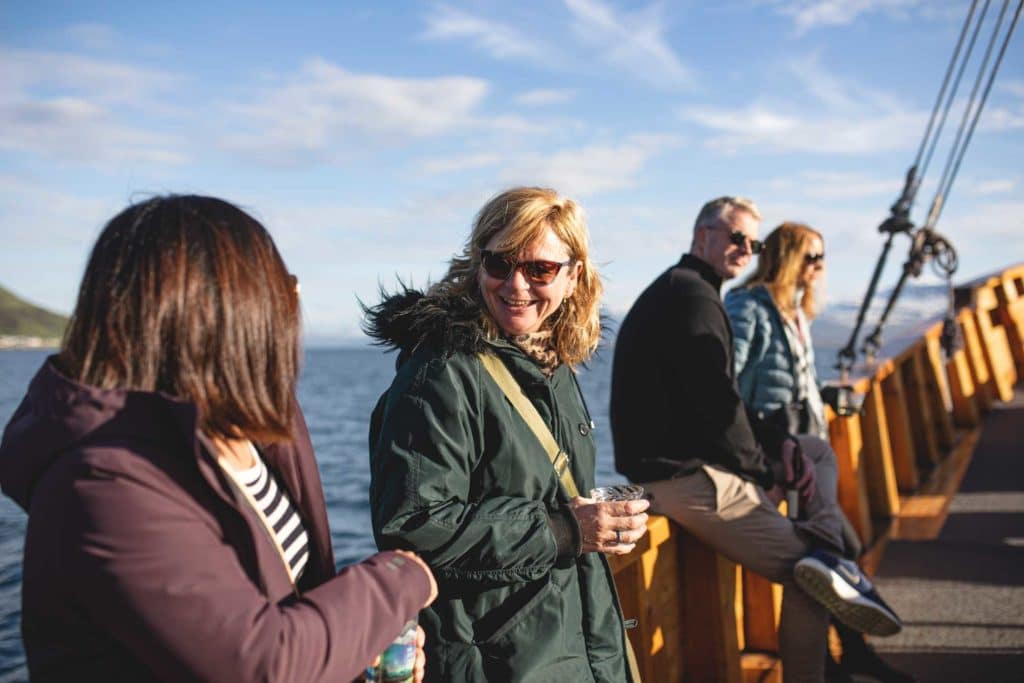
{"x":438,"y":319}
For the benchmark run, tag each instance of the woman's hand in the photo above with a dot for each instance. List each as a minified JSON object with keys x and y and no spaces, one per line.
{"x":430,"y":575}
{"x":808,"y":481}
{"x":611,"y":527}
{"x":421,"y":657}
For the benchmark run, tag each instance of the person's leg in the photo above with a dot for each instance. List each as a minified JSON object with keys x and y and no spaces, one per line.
{"x":736,"y":518}
{"x":822,"y":520}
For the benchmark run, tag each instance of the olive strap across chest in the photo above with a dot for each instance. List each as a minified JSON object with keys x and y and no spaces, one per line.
{"x":508,"y":384}
{"x":559,"y":458}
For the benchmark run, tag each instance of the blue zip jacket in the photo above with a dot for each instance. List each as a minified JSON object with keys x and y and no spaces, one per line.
{"x":765,"y":368}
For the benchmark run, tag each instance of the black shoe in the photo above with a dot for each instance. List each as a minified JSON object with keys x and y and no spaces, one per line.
{"x":846,"y":592}
{"x":866,"y":662}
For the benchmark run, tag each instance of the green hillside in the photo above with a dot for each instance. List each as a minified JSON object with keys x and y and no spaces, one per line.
{"x":21,"y":318}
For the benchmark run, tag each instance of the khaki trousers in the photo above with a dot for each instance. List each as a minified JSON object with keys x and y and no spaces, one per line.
{"x":736,"y":518}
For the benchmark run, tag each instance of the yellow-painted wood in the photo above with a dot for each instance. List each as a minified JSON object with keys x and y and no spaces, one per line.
{"x":984,"y":385}
{"x":937,"y":391}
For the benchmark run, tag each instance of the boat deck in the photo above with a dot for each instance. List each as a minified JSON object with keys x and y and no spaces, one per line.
{"x":961,"y":593}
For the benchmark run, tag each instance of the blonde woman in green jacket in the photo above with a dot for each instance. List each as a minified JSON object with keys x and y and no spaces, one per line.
{"x":458,"y":476}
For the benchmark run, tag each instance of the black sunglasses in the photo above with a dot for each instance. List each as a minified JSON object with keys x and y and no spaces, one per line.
{"x":739,"y":240}
{"x":814,"y":258}
{"x":501,"y":266}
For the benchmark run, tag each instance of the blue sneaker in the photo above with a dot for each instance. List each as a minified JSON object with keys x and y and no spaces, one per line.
{"x":846,"y":592}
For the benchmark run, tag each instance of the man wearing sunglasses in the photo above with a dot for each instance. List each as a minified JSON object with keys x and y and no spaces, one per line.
{"x":681,"y":429}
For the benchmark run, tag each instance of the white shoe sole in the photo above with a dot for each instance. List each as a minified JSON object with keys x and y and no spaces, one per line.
{"x":843,"y":600}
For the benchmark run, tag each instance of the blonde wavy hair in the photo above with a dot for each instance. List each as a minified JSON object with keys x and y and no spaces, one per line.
{"x":779,"y":265}
{"x":521,"y":215}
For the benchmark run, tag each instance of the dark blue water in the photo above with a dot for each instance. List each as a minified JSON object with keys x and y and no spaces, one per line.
{"x":337,"y":390}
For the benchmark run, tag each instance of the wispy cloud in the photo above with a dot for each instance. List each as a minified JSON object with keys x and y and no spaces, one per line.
{"x":316,"y":114}
{"x":497,"y":39}
{"x":823,"y":114}
{"x":632,"y":43}
{"x":766,"y":127}
{"x":80,"y":109}
{"x":589,"y":170}
{"x":542,"y":97}
{"x":460,"y":163}
{"x":811,"y":14}
{"x":994,"y":186}
{"x":835,"y":186}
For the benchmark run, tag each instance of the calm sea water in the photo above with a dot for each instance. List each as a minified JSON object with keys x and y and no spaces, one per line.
{"x":337,"y":390}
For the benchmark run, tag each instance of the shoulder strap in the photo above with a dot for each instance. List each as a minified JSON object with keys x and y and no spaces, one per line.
{"x":508,"y":384}
{"x":559,"y":458}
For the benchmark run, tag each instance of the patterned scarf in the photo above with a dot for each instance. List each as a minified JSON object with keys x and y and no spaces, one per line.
{"x":540,"y":348}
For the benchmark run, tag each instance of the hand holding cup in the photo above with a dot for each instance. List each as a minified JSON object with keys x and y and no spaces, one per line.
{"x":612,"y":519}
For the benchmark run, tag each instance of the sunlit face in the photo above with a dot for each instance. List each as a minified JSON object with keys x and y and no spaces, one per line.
{"x":712,"y":243}
{"x":520,"y":306}
{"x":813,"y":266}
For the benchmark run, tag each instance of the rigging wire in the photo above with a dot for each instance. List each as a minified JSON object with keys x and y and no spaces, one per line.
{"x":927,"y":244}
{"x":899,"y":216}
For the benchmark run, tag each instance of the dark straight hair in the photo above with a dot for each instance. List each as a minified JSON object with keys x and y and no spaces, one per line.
{"x":188,"y":295}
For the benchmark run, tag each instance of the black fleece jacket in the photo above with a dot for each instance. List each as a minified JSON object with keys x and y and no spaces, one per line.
{"x":675,"y":404}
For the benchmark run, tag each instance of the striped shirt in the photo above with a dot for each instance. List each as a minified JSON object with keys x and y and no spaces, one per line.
{"x":279,"y":512}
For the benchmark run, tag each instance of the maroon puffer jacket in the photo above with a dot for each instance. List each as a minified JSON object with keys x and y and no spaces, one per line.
{"x":140,"y":564}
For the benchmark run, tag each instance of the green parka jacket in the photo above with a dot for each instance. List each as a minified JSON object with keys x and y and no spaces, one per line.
{"x":458,"y":477}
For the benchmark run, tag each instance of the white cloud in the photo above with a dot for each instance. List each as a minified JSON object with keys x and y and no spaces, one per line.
{"x":985,"y":188}
{"x":460,"y":163}
{"x":499,"y":40}
{"x":766,"y":127}
{"x":836,"y":186}
{"x":634,"y":44}
{"x":322,"y":111}
{"x":75,"y":108}
{"x":1015,"y":88}
{"x":589,"y":170}
{"x":811,"y":14}
{"x":542,"y":97}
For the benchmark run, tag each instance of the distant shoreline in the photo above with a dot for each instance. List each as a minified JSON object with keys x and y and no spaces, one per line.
{"x":13,"y":342}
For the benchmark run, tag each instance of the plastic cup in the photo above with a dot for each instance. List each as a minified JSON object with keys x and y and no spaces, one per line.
{"x":604,"y":494}
{"x":397,"y":663}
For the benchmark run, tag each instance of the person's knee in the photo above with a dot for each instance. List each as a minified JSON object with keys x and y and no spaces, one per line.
{"x":818,"y":450}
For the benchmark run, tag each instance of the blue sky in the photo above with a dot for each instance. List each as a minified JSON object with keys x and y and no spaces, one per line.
{"x":366,"y":135}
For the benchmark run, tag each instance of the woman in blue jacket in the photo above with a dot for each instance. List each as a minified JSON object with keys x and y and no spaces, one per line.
{"x":771,"y":312}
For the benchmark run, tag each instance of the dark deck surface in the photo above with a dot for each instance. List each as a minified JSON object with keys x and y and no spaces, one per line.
{"x":961,"y":595}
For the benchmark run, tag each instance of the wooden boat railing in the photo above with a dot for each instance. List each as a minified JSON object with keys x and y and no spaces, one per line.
{"x":700,"y":617}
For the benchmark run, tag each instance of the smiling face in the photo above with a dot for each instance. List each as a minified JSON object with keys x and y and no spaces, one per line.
{"x":713,"y":244}
{"x":519,"y":306}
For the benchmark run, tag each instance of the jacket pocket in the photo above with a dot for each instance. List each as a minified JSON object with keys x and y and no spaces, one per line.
{"x":529,"y":644}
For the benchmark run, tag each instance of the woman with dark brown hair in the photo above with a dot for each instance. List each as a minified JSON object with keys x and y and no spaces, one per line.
{"x":177,"y":528}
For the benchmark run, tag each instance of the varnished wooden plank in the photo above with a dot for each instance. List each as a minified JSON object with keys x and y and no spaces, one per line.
{"x":937,"y":392}
{"x":760,"y":667}
{"x":995,"y":346}
{"x":879,"y":471}
{"x":762,"y":602}
{"x":710,"y":647}
{"x":962,"y":390}
{"x":918,"y":410}
{"x":851,"y":490}
{"x":984,"y":385}
{"x":901,"y":440}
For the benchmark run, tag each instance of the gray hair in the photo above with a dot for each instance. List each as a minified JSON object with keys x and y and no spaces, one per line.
{"x":719,"y":209}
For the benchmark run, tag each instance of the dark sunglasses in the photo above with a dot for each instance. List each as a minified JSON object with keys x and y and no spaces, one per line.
{"x":739,"y":239}
{"x":501,"y":266}
{"x":814,"y":258}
